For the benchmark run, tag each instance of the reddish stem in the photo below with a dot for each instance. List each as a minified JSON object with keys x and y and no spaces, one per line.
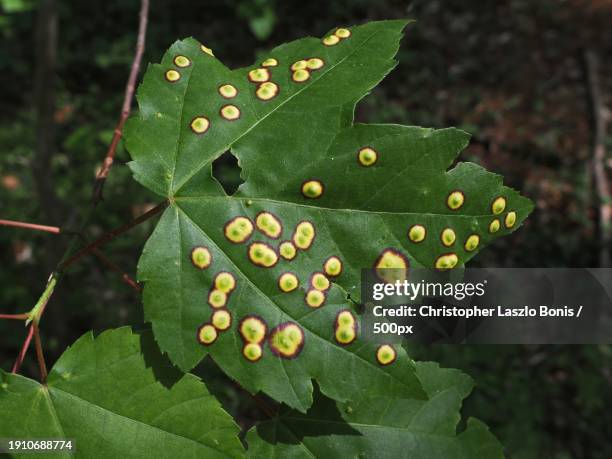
{"x":127,"y":102}
{"x":124,"y":276}
{"x":39,"y":354}
{"x":24,"y":349}
{"x":14,"y":316}
{"x":32,"y":226}
{"x":113,"y":234}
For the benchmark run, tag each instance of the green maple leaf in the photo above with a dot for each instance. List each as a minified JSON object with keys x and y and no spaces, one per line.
{"x":260,"y":279}
{"x":381,"y":427}
{"x":107,"y":396}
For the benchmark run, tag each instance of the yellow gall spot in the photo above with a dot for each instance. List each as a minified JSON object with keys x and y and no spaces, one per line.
{"x":343,"y":33}
{"x":494,"y":226}
{"x":230,"y":112}
{"x":510,"y":219}
{"x":345,"y":318}
{"x":287,"y":250}
{"x":417,"y":233}
{"x":288,"y":282}
{"x":304,"y":235}
{"x":172,"y":76}
{"x":391,"y":266}
{"x":268,"y":224}
{"x":207,"y":50}
{"x":253,"y":329}
{"x":315,"y":298}
{"x":207,"y":334}
{"x":299,"y":65}
{"x":252,"y":352}
{"x":448,"y":237}
{"x":262,"y":254}
{"x":199,"y":124}
{"x":447,"y":261}
{"x":498,"y":205}
{"x":221,"y":319}
{"x":228,"y":91}
{"x":345,"y":335}
{"x":267,"y":90}
{"x":299,"y":76}
{"x":259,"y":75}
{"x":319,"y":281}
{"x":315,"y":63}
{"x":471,"y":243}
{"x":201,"y":257}
{"x":286,"y":340}
{"x":226,"y":282}
{"x":182,"y":61}
{"x":217,"y":298}
{"x":455,"y":200}
{"x":385,"y":354}
{"x":367,"y":156}
{"x":270,"y":62}
{"x":332,"y":266}
{"x":312,"y":189}
{"x":238,"y":230}
{"x":331,"y":40}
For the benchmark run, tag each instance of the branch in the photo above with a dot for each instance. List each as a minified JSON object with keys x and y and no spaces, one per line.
{"x":127,"y":102}
{"x":39,"y":354}
{"x":14,"y":316}
{"x":32,"y":226}
{"x":124,"y":276}
{"x":111,"y":235}
{"x":24,"y":349}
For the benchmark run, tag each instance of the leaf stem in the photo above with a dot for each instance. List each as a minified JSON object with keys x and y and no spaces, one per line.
{"x":124,"y":276}
{"x":39,"y":354}
{"x":24,"y":316}
{"x":22,"y":352}
{"x":32,"y":226}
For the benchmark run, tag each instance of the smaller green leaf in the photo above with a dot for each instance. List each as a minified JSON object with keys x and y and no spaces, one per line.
{"x":382,"y":427}
{"x":107,"y":393}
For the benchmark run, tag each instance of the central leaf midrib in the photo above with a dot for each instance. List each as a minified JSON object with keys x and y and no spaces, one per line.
{"x":274,"y":304}
{"x":199,"y":167}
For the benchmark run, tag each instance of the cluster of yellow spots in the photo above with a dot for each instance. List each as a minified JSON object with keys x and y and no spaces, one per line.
{"x":345,"y":327}
{"x":228,"y":91}
{"x":316,"y":295}
{"x":238,"y":230}
{"x":261,"y":254}
{"x":304,"y":235}
{"x":181,"y":62}
{"x":367,"y":156}
{"x":266,"y":89}
{"x":288,"y":282}
{"x":335,"y":38}
{"x":287,"y":250}
{"x":224,"y":284}
{"x":455,"y":200}
{"x":207,"y":50}
{"x":230,"y":112}
{"x":391,"y":266}
{"x":333,"y":266}
{"x":312,"y":189}
{"x":301,"y":69}
{"x":253,"y":330}
{"x":201,"y":257}
{"x":417,"y":233}
{"x":286,"y":340}
{"x":269,"y":225}
{"x":447,"y":261}
{"x":386,"y":354}
{"x":199,"y":124}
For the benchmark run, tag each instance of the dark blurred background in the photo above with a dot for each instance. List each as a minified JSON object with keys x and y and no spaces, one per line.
{"x":529,"y":79}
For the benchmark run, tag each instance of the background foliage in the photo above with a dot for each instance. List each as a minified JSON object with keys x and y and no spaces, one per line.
{"x":510,"y":72}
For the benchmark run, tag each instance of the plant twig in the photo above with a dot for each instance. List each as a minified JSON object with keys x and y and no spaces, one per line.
{"x":124,"y":276}
{"x":111,"y":235}
{"x":39,"y":353}
{"x":32,"y":226}
{"x":24,"y":349}
{"x":14,"y":316}
{"x":127,"y":102}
